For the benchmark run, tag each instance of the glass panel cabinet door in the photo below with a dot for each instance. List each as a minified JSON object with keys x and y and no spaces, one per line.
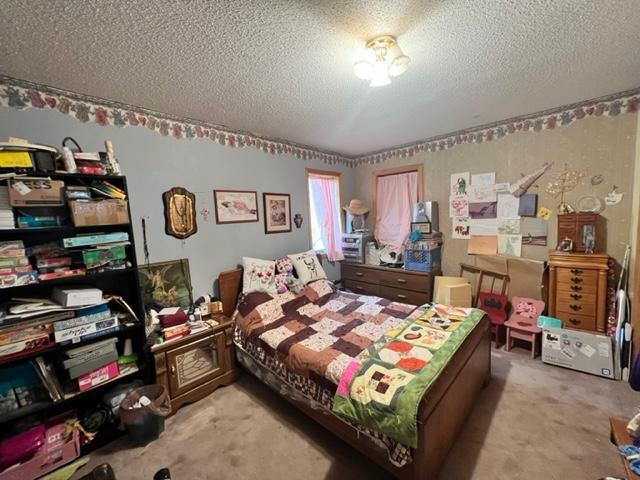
{"x":194,"y":364}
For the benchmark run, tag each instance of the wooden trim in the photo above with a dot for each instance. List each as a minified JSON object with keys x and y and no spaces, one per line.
{"x":215,"y":206}
{"x":264,"y":206}
{"x":314,"y":172}
{"x":416,"y":167}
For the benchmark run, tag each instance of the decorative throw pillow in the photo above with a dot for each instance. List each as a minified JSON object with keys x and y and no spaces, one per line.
{"x":259,"y":275}
{"x":307,"y":266}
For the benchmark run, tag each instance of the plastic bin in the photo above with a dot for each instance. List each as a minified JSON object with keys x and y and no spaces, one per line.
{"x":145,"y":423}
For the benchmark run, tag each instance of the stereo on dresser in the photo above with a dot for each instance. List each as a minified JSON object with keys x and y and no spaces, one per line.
{"x":354,"y":246}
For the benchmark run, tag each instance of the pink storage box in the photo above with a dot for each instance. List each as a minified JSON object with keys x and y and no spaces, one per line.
{"x":55,"y":453}
{"x":98,"y":376}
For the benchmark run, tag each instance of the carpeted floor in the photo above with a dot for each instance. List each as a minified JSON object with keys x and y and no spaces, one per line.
{"x":532,"y":421}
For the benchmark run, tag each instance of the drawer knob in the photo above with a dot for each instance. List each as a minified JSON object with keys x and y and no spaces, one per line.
{"x":576,"y":288}
{"x":173,"y":369}
{"x":573,"y":321}
{"x":575,"y":307}
{"x":359,"y":274}
{"x":576,"y":271}
{"x":401,"y":280}
{"x":400,"y":295}
{"x":576,"y":296}
{"x":576,"y":279}
{"x":358,"y":287}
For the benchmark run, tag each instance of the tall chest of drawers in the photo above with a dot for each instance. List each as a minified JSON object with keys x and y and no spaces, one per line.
{"x":394,"y":284}
{"x":578,"y":289}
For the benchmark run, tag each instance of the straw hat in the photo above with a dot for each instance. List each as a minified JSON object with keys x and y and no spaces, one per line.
{"x":356,"y":207}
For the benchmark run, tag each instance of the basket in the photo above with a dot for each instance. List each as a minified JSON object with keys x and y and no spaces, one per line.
{"x":422,"y":260}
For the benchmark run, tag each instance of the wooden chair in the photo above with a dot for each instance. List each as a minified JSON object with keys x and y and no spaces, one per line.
{"x":483,"y":272}
{"x":522,"y":323}
{"x":495,"y":306}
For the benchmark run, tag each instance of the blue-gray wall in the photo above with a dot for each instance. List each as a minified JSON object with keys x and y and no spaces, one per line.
{"x":153,"y":164}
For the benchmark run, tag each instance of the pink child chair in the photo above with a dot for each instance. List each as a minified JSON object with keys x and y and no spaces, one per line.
{"x":522,"y":323}
{"x":495,"y":306}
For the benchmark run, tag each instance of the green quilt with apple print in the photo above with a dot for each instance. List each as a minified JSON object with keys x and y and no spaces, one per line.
{"x":383,"y":387}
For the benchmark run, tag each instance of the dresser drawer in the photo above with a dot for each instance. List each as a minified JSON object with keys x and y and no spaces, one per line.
{"x":406,"y":281}
{"x":355,"y":272}
{"x":582,"y":322}
{"x":570,"y":306}
{"x":404,"y":296}
{"x":577,"y":276}
{"x":361,"y":288}
{"x":577,"y":287}
{"x":566,"y":294}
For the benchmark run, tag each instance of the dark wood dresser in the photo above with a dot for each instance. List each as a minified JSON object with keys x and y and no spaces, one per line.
{"x":578,"y":289}
{"x":194,"y":366}
{"x":395,"y":284}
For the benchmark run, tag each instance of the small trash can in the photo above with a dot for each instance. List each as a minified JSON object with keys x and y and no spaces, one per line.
{"x":143,"y":411}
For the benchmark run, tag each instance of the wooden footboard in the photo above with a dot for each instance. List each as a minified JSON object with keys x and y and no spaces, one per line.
{"x":443,"y":410}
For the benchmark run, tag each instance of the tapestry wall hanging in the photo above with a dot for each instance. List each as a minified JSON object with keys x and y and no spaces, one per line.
{"x":179,"y":213}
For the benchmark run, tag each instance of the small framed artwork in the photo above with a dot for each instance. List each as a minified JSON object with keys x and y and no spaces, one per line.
{"x":277,"y":212}
{"x":423,"y":227}
{"x":236,"y":206}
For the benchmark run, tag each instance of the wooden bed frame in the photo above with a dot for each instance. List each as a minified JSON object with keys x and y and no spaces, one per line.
{"x":443,"y":410}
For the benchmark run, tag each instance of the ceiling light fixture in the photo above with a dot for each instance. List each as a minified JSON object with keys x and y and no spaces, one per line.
{"x":383,"y":59}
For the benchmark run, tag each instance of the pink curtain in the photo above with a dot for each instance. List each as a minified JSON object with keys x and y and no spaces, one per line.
{"x":395,"y":196}
{"x":325,"y":195}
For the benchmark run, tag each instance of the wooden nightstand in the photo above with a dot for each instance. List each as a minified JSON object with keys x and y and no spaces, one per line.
{"x":194,"y":366}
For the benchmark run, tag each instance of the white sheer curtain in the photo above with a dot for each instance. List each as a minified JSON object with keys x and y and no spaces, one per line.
{"x":395,"y":196}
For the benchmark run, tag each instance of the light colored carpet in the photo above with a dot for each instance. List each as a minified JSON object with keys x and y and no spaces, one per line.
{"x":532,"y":421}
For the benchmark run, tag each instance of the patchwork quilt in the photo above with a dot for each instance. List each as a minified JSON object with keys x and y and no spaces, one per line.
{"x":319,"y":331}
{"x":383,"y":387}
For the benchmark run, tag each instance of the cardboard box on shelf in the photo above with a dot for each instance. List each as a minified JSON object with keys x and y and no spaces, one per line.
{"x":99,"y":212}
{"x":35,"y":192}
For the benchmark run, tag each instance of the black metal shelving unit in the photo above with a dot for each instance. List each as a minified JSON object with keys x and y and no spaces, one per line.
{"x":122,"y":282}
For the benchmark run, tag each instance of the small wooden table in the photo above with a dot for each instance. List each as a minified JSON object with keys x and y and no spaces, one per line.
{"x":619,"y":436}
{"x":194,"y":366}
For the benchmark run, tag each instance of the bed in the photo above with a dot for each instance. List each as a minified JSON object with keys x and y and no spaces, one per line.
{"x":442,"y":410}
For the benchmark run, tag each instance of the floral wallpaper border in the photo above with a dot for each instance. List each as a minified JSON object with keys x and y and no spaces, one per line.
{"x":21,"y":94}
{"x":611,"y":106}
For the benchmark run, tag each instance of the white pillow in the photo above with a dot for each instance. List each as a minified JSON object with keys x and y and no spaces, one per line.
{"x":307,"y":266}
{"x":259,"y":275}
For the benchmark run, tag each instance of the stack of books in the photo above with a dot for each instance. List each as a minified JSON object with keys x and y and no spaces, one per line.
{"x":174,"y":323}
{"x":7,"y":220}
{"x":83,"y":361}
{"x":88,"y":323}
{"x":53,"y":261}
{"x":25,"y":338}
{"x":15,"y":268}
{"x":81,"y":255}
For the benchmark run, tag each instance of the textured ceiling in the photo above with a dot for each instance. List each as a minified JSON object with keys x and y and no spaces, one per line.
{"x":283,"y":68}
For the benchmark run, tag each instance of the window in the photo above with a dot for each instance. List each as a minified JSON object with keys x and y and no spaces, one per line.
{"x":325,"y":215}
{"x":395,"y":190}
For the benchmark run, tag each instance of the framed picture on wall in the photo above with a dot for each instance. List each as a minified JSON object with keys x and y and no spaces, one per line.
{"x":166,"y":283}
{"x":277,"y":212}
{"x":236,"y":206}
